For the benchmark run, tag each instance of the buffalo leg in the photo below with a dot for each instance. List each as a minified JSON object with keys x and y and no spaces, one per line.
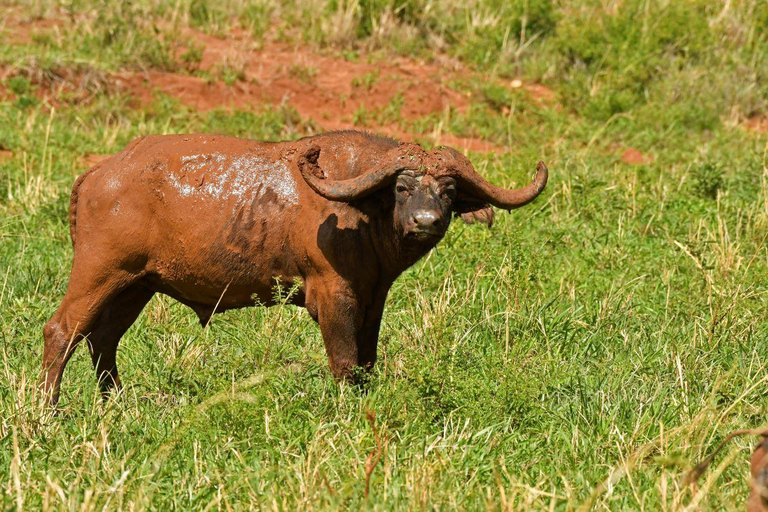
{"x":368,"y":336}
{"x":340,"y":323}
{"x":90,"y":290}
{"x":116,"y":318}
{"x":350,"y":332}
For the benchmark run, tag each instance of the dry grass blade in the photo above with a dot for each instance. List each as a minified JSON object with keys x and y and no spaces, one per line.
{"x":693,"y":476}
{"x":373,"y":457}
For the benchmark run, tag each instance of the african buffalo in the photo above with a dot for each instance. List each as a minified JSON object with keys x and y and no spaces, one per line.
{"x":215,"y":222}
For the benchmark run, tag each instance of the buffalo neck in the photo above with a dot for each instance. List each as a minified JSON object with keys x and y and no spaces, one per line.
{"x":395,"y":254}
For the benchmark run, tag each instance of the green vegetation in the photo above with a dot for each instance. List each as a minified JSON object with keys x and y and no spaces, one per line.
{"x":587,"y":350}
{"x":366,"y":81}
{"x":304,"y":74}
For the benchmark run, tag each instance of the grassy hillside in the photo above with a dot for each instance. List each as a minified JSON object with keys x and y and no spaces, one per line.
{"x":585,"y":352}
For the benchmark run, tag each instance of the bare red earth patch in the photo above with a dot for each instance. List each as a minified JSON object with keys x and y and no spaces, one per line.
{"x":334,"y":93}
{"x":22,"y":30}
{"x":5,"y":154}
{"x":538,"y":92}
{"x":329,"y":90}
{"x":757,"y":124}
{"x":632,"y":156}
{"x":5,"y":94}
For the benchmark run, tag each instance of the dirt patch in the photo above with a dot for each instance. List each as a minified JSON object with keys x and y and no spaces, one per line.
{"x":332,"y":92}
{"x":541,"y":92}
{"x":326,"y":89}
{"x":5,"y":94}
{"x":537,"y":92}
{"x":632,"y":156}
{"x":18,"y":29}
{"x":5,"y":154}
{"x":757,"y":124}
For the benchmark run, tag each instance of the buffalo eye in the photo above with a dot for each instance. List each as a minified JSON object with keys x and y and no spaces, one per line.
{"x":402,"y":188}
{"x":448,"y":193}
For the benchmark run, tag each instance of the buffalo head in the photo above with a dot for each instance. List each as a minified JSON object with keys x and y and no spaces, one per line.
{"x":428,"y":186}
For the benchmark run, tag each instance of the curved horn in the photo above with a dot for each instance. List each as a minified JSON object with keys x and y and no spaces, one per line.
{"x":472,"y":183}
{"x":353,"y":188}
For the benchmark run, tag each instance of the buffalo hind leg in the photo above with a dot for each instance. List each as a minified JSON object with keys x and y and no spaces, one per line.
{"x":116,"y":318}
{"x":91,"y":288}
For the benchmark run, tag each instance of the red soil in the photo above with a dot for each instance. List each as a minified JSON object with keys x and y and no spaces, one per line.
{"x":328,"y":90}
{"x":632,"y":156}
{"x":757,"y":124}
{"x":541,"y":92}
{"x":538,"y":92}
{"x":23,"y":31}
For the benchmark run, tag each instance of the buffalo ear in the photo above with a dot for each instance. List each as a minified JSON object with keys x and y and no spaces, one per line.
{"x":471,"y":211}
{"x":307,"y":162}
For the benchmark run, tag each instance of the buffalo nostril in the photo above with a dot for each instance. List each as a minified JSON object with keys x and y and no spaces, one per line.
{"x":425,"y":218}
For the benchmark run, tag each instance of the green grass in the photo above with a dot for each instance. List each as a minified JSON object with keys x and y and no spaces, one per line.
{"x":586,"y":351}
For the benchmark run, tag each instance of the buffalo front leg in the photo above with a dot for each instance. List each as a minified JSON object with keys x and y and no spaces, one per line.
{"x":368,"y":335}
{"x":340,"y":323}
{"x":350,"y":332}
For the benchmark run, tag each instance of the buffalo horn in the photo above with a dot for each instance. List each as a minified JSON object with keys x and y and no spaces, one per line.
{"x":473,"y":184}
{"x":353,"y":188}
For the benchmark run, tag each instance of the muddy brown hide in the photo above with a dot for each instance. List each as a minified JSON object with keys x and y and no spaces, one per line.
{"x":217,"y":222}
{"x":758,"y":488}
